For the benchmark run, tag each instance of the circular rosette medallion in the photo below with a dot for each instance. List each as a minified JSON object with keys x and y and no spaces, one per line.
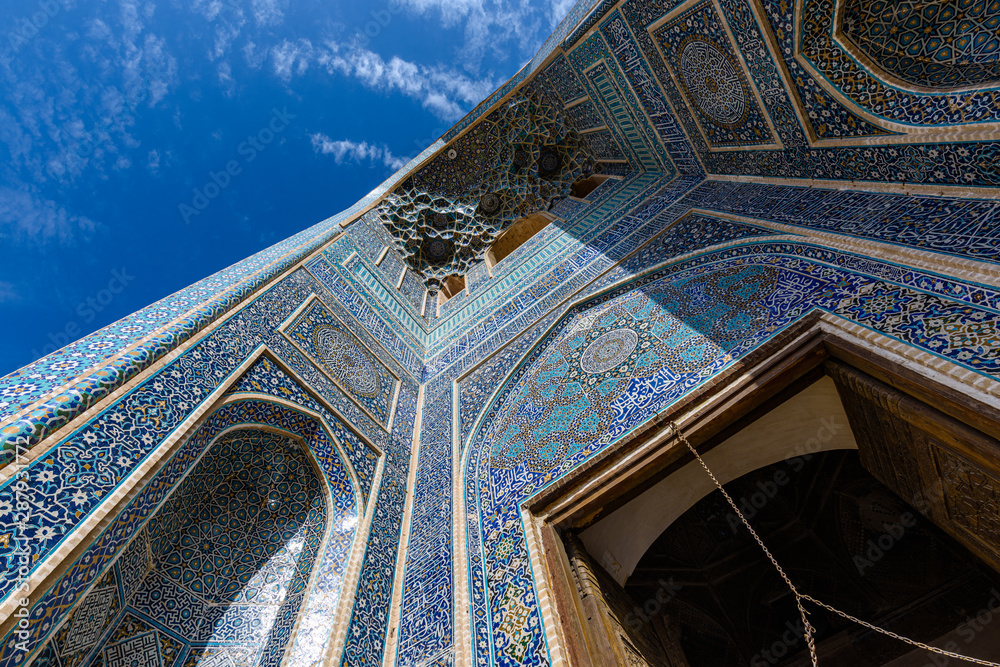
{"x":346,"y":361}
{"x":610,"y":350}
{"x":713,"y":82}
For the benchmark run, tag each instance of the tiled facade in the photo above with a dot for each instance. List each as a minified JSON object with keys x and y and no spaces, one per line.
{"x":752,"y":188}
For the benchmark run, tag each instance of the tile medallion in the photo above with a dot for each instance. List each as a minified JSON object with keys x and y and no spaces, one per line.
{"x":323,"y":338}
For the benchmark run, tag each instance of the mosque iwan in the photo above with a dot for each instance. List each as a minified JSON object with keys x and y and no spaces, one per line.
{"x":682,"y":349}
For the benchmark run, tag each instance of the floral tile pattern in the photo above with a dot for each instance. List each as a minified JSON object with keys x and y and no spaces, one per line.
{"x":626,"y":302}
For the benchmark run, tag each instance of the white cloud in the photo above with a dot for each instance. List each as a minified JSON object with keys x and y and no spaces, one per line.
{"x":268,"y":13}
{"x":504,"y":28}
{"x":445,"y":92}
{"x":27,"y":216}
{"x":56,"y":122}
{"x":225,"y":34}
{"x":345,"y":150}
{"x":452,"y":11}
{"x":255,"y":57}
{"x":209,"y":9}
{"x":226,"y":80}
{"x":290,"y":58}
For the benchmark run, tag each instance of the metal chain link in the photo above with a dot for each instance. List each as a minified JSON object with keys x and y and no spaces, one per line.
{"x":799,"y":597}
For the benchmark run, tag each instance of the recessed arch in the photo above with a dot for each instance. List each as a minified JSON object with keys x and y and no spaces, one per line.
{"x":947,"y":45}
{"x":515,"y":236}
{"x":451,"y":287}
{"x":149,"y":602}
{"x":810,"y":422}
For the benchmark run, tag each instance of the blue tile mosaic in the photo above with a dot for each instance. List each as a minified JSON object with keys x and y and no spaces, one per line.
{"x":147,"y":513}
{"x":326,"y":341}
{"x":962,"y":227}
{"x":938,"y":106}
{"x":927,"y":48}
{"x":391,"y":268}
{"x":663,"y":336}
{"x":605,"y":318}
{"x":266,"y":377}
{"x":370,"y":616}
{"x":427,"y":625}
{"x":704,"y":63}
{"x":585,"y":116}
{"x":241,"y":532}
{"x":413,"y":291}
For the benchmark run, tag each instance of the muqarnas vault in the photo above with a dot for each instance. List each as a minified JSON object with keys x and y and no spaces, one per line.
{"x":443,"y":427}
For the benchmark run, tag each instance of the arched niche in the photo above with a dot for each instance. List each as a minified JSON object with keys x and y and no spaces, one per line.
{"x":919,"y":444}
{"x":242,"y":560}
{"x":515,"y":236}
{"x":585,"y":186}
{"x":577,"y":390}
{"x":946,"y":45}
{"x":451,"y":287}
{"x":812,"y":421}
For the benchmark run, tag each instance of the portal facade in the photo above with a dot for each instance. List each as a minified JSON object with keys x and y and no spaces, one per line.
{"x":443,"y":427}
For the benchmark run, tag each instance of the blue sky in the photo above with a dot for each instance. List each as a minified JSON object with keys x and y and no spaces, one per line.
{"x":115,"y":114}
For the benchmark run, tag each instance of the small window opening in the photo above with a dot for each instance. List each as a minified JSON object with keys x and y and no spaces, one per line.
{"x":585,"y":186}
{"x":451,"y":286}
{"x":515,"y":236}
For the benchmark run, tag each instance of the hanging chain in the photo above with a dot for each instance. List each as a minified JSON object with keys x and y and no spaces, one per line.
{"x":800,"y":597}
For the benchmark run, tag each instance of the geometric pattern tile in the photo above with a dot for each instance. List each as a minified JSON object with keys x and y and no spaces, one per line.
{"x":220,"y":575}
{"x":89,"y":620}
{"x":139,"y":651}
{"x":426,"y":627}
{"x":228,"y":656}
{"x":233,"y":548}
{"x":618,"y":360}
{"x":220,"y":659}
{"x":237,"y":526}
{"x":336,"y":351}
{"x":265,"y":377}
{"x":133,"y":565}
{"x":909,"y":38}
{"x":365,"y":642}
{"x":596,"y":378}
{"x":828,"y":117}
{"x":956,"y":226}
{"x":697,"y":50}
{"x":940,"y":45}
{"x":79,"y":634}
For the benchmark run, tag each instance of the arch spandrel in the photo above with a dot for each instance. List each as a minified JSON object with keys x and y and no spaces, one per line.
{"x":763,"y":287}
{"x":553,"y":413}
